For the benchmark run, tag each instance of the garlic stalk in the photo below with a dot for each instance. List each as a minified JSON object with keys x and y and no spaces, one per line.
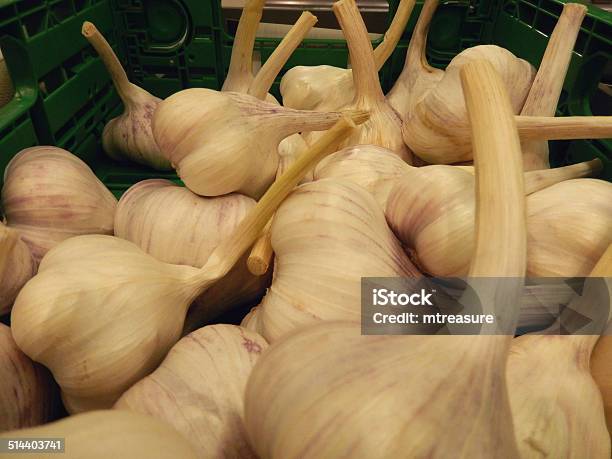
{"x":556,"y":405}
{"x":109,"y":433}
{"x":229,"y":141}
{"x":305,"y":407}
{"x":207,"y":369}
{"x":546,"y":89}
{"x":16,"y":266}
{"x":176,"y":226}
{"x":240,"y":73}
{"x":28,"y":394}
{"x":326,"y":237}
{"x":50,"y":195}
{"x":324,"y":87}
{"x":384,"y":126}
{"x":431,"y":210}
{"x":101,"y":314}
{"x":7,"y":90}
{"x":128,"y":135}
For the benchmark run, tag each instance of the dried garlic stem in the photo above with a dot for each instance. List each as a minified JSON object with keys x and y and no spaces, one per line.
{"x":564,"y":127}
{"x":546,"y":89}
{"x":393,"y":34}
{"x":230,"y":250}
{"x":539,"y":179}
{"x":240,"y":72}
{"x":266,"y":75}
{"x":261,"y":253}
{"x":111,"y":62}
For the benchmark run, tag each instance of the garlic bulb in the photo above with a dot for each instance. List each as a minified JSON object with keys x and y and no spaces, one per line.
{"x":206,"y":370}
{"x":545,"y":91}
{"x":102,"y":314}
{"x":307,"y":409}
{"x":50,"y":195}
{"x":229,"y":141}
{"x":176,"y":226}
{"x":28,"y":397}
{"x":16,"y":266}
{"x":431,"y":210}
{"x":240,"y":72}
{"x":326,"y":237}
{"x":250,"y":320}
{"x":324,"y":87}
{"x":110,"y":433}
{"x":556,"y":405}
{"x":601,"y":369}
{"x":384,"y":126}
{"x":128,"y":135}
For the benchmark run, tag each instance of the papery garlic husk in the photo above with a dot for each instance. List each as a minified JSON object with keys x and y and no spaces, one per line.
{"x":404,"y":387}
{"x":177,"y":226}
{"x":16,"y":266}
{"x":28,"y":396}
{"x":325,"y":87}
{"x":326,"y":236}
{"x":129,"y":135}
{"x":229,"y":141}
{"x":435,"y":129}
{"x":199,"y":389}
{"x":559,"y":412}
{"x":50,"y":195}
{"x":250,"y":320}
{"x":110,"y":433}
{"x":374,"y":168}
{"x":384,"y":126}
{"x":101,"y":313}
{"x":569,"y":224}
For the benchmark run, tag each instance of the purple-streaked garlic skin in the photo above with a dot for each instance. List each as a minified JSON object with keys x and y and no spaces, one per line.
{"x":50,"y":195}
{"x":28,"y":396}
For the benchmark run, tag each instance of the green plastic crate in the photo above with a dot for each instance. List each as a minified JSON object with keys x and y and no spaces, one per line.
{"x":64,"y":96}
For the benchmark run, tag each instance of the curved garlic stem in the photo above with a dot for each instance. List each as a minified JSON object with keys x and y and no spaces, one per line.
{"x":110,"y":60}
{"x":240,"y":72}
{"x":393,"y":34}
{"x":265,"y":77}
{"x":546,"y":89}
{"x":539,"y":179}
{"x":564,"y":127}
{"x":230,"y":250}
{"x":499,"y":179}
{"x":365,"y":73}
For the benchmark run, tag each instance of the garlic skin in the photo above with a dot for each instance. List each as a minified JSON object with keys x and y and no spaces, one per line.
{"x":249,"y":321}
{"x":110,"y":433}
{"x":28,"y":397}
{"x":373,"y":168}
{"x":601,"y":369}
{"x":176,"y":226}
{"x":16,"y":266}
{"x":50,"y":195}
{"x":229,"y":141}
{"x":326,"y":236}
{"x":435,"y":128}
{"x":129,"y":134}
{"x":208,"y":370}
{"x":569,"y":228}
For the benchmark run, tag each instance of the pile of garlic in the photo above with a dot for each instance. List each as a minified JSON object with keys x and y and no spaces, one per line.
{"x":115,"y":310}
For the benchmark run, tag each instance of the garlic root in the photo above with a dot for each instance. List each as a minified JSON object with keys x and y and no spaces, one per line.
{"x":128,"y":135}
{"x":546,"y":89}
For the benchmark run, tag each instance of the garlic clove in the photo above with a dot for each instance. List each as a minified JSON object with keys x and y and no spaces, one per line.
{"x":326,"y":237}
{"x":298,"y":407}
{"x":16,"y":266}
{"x":176,"y":226}
{"x":28,"y":394}
{"x":324,"y":87}
{"x":110,"y":433}
{"x":102,"y":314}
{"x":128,"y":135}
{"x":198,"y":389}
{"x":229,"y":141}
{"x":545,"y":91}
{"x":50,"y":195}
